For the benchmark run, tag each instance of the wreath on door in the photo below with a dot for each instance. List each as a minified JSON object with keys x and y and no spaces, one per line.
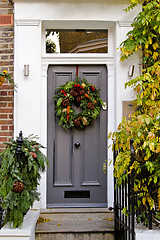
{"x":81,"y":94}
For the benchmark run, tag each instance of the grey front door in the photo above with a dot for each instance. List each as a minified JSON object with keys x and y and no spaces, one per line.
{"x":76,"y":176}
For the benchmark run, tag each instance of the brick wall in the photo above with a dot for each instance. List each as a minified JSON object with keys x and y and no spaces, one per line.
{"x":6,"y":63}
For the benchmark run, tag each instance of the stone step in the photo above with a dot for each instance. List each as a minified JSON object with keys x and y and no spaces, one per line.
{"x":76,"y":224}
{"x":75,"y":236}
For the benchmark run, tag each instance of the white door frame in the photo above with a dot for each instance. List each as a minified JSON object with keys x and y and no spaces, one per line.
{"x":78,"y":59}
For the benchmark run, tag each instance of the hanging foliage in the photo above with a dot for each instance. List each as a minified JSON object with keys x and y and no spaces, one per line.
{"x":144,"y":126}
{"x":19,"y":178}
{"x":80,"y":94}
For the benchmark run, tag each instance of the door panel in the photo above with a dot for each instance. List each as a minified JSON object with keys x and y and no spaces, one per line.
{"x":75,"y":175}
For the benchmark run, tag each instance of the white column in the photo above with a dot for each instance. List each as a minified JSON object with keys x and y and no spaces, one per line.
{"x":27,"y":101}
{"x":27,"y":98}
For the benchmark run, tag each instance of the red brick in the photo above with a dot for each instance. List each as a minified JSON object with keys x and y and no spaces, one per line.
{"x":8,"y":121}
{"x":5,"y":134}
{"x":7,"y":99}
{"x":6,"y":110}
{"x":10,"y":104}
{"x":2,"y":116}
{"x":11,"y":93}
{"x":3,"y":139}
{"x":3,"y":93}
{"x":3,"y":128}
{"x":3,"y":105}
{"x":11,"y":128}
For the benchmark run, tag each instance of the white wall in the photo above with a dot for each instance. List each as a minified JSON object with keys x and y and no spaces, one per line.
{"x":31,"y":19}
{"x":74,"y":9}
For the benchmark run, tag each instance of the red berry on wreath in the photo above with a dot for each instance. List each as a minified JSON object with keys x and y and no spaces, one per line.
{"x":33,"y":154}
{"x":92,"y":88}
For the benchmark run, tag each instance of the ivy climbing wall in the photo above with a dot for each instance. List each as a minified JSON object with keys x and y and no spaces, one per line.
{"x":6,"y":63}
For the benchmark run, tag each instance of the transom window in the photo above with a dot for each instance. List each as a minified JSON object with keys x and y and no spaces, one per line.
{"x":76,"y":41}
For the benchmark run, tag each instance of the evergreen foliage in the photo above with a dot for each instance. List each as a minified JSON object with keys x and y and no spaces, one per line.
{"x":26,"y":170}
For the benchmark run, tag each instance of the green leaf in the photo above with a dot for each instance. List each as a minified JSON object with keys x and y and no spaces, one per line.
{"x":59,"y":102}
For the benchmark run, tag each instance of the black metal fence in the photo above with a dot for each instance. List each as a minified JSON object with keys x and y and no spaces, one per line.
{"x":124,"y":199}
{"x":1,"y":215}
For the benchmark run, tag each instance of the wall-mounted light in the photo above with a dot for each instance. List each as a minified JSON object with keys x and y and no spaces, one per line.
{"x":131,"y":71}
{"x":140,"y":68}
{"x":26,"y":70}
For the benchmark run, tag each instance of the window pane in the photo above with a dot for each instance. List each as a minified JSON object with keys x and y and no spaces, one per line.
{"x":76,"y":41}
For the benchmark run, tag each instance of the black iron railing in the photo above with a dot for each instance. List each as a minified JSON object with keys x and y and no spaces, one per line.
{"x":1,"y":215}
{"x":124,"y":199}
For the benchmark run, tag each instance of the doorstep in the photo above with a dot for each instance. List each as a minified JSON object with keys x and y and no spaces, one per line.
{"x":76,"y":223}
{"x":26,"y":232}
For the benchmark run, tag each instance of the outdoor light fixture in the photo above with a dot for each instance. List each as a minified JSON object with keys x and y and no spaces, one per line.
{"x":131,"y":71}
{"x":140,"y":68}
{"x":26,"y":70}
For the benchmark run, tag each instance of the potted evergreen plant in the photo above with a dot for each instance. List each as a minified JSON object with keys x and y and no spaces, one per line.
{"x":21,"y":164}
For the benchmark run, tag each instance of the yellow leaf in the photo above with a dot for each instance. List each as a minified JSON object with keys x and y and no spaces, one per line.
{"x":108,"y":219}
{"x":146,"y":45}
{"x":155,"y":45}
{"x":150,"y":40}
{"x":155,"y":55}
{"x":151,"y":146}
{"x":144,"y":200}
{"x":134,"y":1}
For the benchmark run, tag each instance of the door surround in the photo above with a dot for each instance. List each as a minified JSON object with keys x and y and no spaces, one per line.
{"x":80,"y":59}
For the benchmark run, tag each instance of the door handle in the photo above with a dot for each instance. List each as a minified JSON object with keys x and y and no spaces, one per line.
{"x":77,"y":144}
{"x":104,"y":106}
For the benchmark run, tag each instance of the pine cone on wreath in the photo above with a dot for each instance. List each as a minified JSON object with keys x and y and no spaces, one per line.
{"x":77,"y":122}
{"x":91,"y":105}
{"x":74,"y":92}
{"x":82,"y":92}
{"x":65,"y":102}
{"x":18,"y":187}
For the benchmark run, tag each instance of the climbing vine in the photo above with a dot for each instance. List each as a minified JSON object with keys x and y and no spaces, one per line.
{"x":144,"y":126}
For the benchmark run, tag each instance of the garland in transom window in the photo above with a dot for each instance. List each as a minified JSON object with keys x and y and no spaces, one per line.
{"x":73,"y":95}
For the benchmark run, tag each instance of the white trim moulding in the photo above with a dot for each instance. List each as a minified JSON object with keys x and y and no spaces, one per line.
{"x":125,"y":23}
{"x":27,"y":22}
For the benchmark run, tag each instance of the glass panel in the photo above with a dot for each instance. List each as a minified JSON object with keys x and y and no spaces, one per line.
{"x":76,"y":41}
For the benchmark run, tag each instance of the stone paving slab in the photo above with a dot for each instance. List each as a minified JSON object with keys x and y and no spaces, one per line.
{"x":73,"y":222}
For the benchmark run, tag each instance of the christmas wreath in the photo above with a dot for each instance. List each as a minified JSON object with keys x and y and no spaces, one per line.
{"x":81,"y":94}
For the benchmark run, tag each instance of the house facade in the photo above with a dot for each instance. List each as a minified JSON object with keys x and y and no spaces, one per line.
{"x":78,"y":176}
